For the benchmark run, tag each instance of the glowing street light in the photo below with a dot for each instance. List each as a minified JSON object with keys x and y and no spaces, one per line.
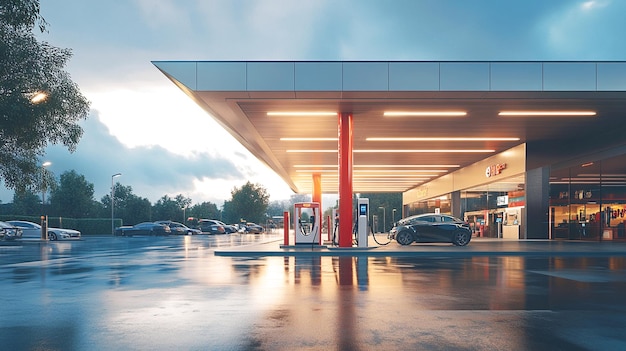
{"x":113,"y":202}
{"x":37,"y":97}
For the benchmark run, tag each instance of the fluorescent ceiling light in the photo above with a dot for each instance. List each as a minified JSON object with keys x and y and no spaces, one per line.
{"x":316,"y":171}
{"x":406,"y":166}
{"x":547,"y":113}
{"x":371,"y":151}
{"x":394,"y":176}
{"x":410,"y":171}
{"x":425,"y":151}
{"x":316,"y":166}
{"x":424,"y":113}
{"x":384,"y":166}
{"x":302,"y":113}
{"x":309,"y":139}
{"x":391,"y":182}
{"x":442,"y":139}
{"x":311,"y":151}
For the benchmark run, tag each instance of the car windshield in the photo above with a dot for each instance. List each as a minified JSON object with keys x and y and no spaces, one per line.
{"x":26,"y":225}
{"x":448,"y":219}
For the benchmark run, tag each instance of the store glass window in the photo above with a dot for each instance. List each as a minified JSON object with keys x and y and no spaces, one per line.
{"x":588,"y":201}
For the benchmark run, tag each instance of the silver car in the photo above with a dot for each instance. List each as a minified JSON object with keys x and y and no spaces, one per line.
{"x":32,"y":230}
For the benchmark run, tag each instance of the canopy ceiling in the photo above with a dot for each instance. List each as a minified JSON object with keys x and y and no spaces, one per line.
{"x":396,"y":153}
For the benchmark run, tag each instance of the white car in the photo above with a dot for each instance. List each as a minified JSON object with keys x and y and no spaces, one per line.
{"x":9,"y":232}
{"x":32,"y":230}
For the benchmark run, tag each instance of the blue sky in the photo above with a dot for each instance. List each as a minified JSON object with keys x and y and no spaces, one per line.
{"x":142,"y":126}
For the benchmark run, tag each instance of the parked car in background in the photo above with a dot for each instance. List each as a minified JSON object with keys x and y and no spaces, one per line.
{"x":32,"y":230}
{"x":179,"y":228}
{"x":431,"y":228}
{"x":211,"y":226}
{"x":145,"y":228}
{"x":9,"y":232}
{"x":253,"y":228}
{"x":229,"y":228}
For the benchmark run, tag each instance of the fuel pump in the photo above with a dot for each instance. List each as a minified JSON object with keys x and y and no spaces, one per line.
{"x":362,"y":221}
{"x":307,"y":232}
{"x":335,"y":226}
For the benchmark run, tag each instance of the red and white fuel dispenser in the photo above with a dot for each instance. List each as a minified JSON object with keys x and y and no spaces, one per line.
{"x":307,"y":232}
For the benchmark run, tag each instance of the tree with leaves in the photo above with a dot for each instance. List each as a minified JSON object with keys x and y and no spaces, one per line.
{"x":26,"y":203}
{"x":72,"y":196}
{"x":277,"y":208}
{"x":167,"y":208}
{"x":247,"y":203}
{"x":131,"y":208}
{"x":206,"y":210}
{"x":39,"y":103}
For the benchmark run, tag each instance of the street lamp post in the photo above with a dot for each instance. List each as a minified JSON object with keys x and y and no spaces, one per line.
{"x":384,"y":219}
{"x":113,"y":202}
{"x":44,"y":218}
{"x":393,"y":214}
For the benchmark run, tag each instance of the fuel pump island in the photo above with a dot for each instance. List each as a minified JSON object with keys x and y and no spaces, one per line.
{"x":307,"y":224}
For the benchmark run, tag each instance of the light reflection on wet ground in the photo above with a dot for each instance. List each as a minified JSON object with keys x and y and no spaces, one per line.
{"x":174,"y":294}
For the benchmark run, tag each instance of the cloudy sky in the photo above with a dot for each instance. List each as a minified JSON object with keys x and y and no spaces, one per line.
{"x":144,"y":127}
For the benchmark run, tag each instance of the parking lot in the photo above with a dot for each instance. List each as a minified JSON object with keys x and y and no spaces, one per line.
{"x":175,"y":293}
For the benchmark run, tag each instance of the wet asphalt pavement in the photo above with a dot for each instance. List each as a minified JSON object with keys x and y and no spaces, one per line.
{"x":174,"y":293}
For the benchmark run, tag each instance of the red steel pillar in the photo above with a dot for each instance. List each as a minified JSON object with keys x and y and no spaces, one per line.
{"x":345,"y":179}
{"x":286,"y":227}
{"x":317,"y":197}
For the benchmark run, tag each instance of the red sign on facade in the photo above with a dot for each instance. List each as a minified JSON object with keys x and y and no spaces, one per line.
{"x":494,"y":170}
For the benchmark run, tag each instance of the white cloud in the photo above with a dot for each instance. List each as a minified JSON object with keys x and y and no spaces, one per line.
{"x":160,"y":115}
{"x":152,"y":171}
{"x":585,"y":30}
{"x":163,"y":13}
{"x":592,"y":4}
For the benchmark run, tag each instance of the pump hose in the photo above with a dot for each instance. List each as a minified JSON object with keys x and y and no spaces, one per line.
{"x":374,"y":236}
{"x":355,"y":237}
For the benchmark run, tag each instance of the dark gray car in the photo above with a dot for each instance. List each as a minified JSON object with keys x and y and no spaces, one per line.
{"x":431,"y":228}
{"x":179,"y":228}
{"x":211,"y":226}
{"x":145,"y":228}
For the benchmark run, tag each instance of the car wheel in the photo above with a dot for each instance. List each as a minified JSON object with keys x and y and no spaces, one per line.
{"x":404,"y":238}
{"x":461,"y":238}
{"x":52,"y":236}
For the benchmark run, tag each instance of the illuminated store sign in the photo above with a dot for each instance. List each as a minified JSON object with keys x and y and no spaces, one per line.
{"x":494,"y":170}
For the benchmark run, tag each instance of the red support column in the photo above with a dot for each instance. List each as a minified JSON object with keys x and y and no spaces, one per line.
{"x":345,"y":179}
{"x":286,"y":227}
{"x":317,"y":197}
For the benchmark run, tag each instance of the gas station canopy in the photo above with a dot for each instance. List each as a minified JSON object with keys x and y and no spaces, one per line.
{"x":413,"y":121}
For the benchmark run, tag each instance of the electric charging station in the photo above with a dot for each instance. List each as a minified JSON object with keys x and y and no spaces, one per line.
{"x":363,"y":222}
{"x":307,"y":233}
